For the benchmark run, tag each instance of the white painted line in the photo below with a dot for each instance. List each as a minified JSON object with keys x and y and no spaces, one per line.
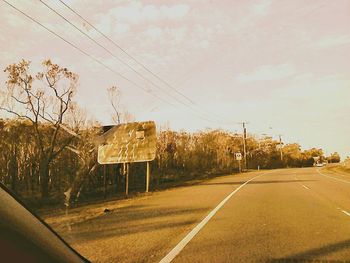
{"x":177,"y":249}
{"x":305,"y":187}
{"x":334,"y":178}
{"x":347,"y":213}
{"x":295,"y":178}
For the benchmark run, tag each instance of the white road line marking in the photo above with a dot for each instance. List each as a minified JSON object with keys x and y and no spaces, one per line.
{"x":177,"y":249}
{"x":295,"y":178}
{"x":347,"y":213}
{"x":340,"y":180}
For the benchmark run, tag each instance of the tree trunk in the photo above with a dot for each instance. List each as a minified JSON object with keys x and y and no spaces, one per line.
{"x":13,"y":169}
{"x":44,"y":179}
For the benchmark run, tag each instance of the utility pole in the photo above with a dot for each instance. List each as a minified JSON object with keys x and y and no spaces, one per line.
{"x":281,"y":153}
{"x":245,"y":144}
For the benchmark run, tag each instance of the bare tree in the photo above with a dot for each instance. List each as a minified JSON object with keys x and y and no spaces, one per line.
{"x":114,"y":98}
{"x":120,"y":114}
{"x":46,"y":103}
{"x":86,"y":151}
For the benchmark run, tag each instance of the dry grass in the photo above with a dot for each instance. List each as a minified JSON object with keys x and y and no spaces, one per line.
{"x":341,"y":168}
{"x":60,"y":219}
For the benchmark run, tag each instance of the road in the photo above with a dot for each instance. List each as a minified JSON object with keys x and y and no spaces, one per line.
{"x":279,"y":215}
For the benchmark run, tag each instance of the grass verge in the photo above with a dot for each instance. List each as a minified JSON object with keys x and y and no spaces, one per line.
{"x":341,"y":168}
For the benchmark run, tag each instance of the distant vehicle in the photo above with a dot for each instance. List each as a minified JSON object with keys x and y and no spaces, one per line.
{"x":319,"y":164}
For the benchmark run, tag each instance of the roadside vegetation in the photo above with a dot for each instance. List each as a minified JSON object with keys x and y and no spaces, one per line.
{"x":343,"y":168}
{"x":48,"y":155}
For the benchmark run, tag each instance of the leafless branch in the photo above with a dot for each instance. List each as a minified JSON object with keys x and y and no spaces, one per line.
{"x":17,"y":114}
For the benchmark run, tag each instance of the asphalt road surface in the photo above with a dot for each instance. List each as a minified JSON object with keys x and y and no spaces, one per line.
{"x":286,"y":215}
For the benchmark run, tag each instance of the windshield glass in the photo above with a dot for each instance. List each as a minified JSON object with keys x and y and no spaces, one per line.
{"x":185,"y":131}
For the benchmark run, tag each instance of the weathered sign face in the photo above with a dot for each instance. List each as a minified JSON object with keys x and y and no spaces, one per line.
{"x":238,"y":156}
{"x":127,"y":143}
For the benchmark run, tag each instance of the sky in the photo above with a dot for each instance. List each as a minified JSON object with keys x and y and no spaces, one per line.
{"x":282,"y":66}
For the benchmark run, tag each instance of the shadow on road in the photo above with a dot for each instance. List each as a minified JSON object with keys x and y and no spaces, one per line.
{"x":127,"y":221}
{"x":259,"y":182}
{"x":316,"y":253}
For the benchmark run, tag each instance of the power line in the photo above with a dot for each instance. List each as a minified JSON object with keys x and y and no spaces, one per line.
{"x":113,"y":55}
{"x":133,"y":58}
{"x":126,"y":53}
{"x":98,"y":61}
{"x":104,"y":48}
{"x":85,"y":53}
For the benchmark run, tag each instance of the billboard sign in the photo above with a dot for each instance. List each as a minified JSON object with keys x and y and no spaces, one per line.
{"x":127,"y":143}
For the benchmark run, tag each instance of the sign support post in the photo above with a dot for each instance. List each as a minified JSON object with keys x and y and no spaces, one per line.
{"x":148,"y":174}
{"x":128,"y":143}
{"x":238,"y":157}
{"x":105,"y":181}
{"x":127,"y":179}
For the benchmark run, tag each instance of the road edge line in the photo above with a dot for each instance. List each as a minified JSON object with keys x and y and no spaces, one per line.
{"x":180,"y":246}
{"x":334,"y":178}
{"x":345,"y":212}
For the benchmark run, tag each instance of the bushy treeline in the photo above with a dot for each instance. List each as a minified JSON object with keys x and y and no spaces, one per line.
{"x":212,"y":151}
{"x":20,"y":160}
{"x":48,"y":151}
{"x":180,"y":156}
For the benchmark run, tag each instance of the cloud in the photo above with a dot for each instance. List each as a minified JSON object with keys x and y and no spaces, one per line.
{"x":310,"y":84}
{"x":333,"y":41}
{"x":178,"y":34}
{"x":174,"y":12}
{"x":154,"y":32}
{"x":150,"y":12}
{"x":250,"y":19}
{"x":267,"y":72}
{"x":121,"y":28}
{"x":104,"y":24}
{"x":262,"y":8}
{"x":136,"y":12}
